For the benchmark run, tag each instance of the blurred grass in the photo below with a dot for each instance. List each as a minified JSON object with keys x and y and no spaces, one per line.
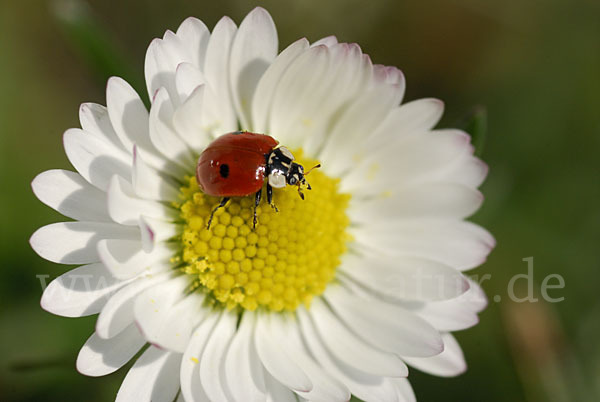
{"x":94,"y":44}
{"x":534,"y":65}
{"x":475,"y":124}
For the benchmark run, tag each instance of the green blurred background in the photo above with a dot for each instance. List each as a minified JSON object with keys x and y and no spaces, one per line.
{"x":535,"y":66}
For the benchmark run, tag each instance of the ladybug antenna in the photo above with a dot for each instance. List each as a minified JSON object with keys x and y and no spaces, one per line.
{"x":318,"y":165}
{"x":308,"y":187}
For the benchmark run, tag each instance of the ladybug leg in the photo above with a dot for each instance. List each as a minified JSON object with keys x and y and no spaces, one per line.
{"x":308,"y":187}
{"x":270,"y":197}
{"x":257,"y":198}
{"x":212,"y":214}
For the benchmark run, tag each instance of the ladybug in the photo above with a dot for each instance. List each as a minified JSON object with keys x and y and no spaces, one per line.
{"x":236,"y":165}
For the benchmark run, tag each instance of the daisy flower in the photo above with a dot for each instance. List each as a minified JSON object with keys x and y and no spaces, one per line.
{"x":332,"y":296}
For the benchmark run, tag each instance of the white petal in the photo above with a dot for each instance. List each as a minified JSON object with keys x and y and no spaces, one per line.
{"x":475,"y":298}
{"x":422,"y":158}
{"x":383,"y":325}
{"x":254,"y":48}
{"x":244,"y":372}
{"x":463,"y":168}
{"x":314,"y":91}
{"x":68,"y":193}
{"x":100,"y":357}
{"x":449,"y":363}
{"x":193,"y":120}
{"x":96,"y":160}
{"x":349,"y":132}
{"x":117,"y":314}
{"x":276,"y":359}
{"x":212,"y":362}
{"x":76,"y":242}
{"x":406,"y":121}
{"x":130,"y":120}
{"x":340,"y":340}
{"x":188,"y":45}
{"x":277,"y":392}
{"x":364,"y":386}
{"x":327,"y":41}
{"x":154,"y":377}
{"x":467,"y":170}
{"x":406,"y":277}
{"x":187,"y":78}
{"x":155,"y":231}
{"x":461,"y":245}
{"x":80,"y":292}
{"x":180,"y":322}
{"x":126,"y":208}
{"x":326,"y":387}
{"x":349,"y":78}
{"x":149,"y":183}
{"x":162,"y":132}
{"x":421,"y":115}
{"x":404,"y":389}
{"x":454,"y":314}
{"x":389,"y":75}
{"x":216,"y":72}
{"x":95,"y":120}
{"x":126,"y":258}
{"x":445,"y":200}
{"x":447,"y":315}
{"x":191,"y":387}
{"x":194,"y":35}
{"x":265,"y":90}
{"x":165,"y":316}
{"x":162,"y":58}
{"x":128,"y":114}
{"x":293,"y":107}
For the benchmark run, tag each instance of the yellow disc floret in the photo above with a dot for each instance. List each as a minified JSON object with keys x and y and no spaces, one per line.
{"x":287,"y":259}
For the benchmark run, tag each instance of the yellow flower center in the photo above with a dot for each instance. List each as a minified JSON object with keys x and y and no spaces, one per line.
{"x":287,"y":259}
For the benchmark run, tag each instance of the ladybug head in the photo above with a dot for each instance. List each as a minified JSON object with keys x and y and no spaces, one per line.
{"x":295,"y":175}
{"x":283,"y":171}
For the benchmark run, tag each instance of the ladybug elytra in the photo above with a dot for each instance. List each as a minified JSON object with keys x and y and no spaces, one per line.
{"x":236,"y":165}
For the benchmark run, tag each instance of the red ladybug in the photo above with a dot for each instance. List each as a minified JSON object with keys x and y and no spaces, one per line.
{"x":236,"y":164}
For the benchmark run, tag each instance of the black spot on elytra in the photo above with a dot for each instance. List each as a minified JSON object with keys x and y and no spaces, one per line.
{"x":224,"y":170}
